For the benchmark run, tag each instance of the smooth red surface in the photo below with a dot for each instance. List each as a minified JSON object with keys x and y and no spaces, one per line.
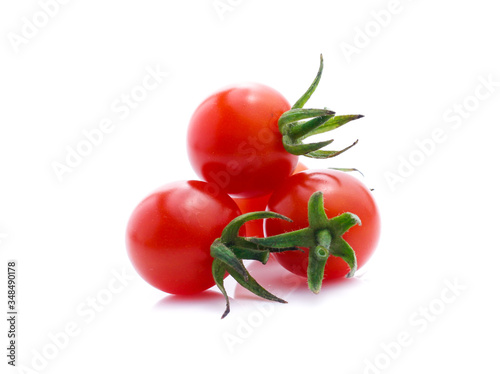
{"x":170,"y":232}
{"x":234,"y":141}
{"x":342,"y":193}
{"x":258,"y":204}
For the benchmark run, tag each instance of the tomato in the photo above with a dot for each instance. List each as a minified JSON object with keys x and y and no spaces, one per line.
{"x":169,"y":235}
{"x":342,"y":193}
{"x":234,"y":141}
{"x":258,"y":204}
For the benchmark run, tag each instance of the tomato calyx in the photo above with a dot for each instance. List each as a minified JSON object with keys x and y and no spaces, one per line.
{"x":298,"y":123}
{"x":323,"y":238}
{"x":230,"y":250}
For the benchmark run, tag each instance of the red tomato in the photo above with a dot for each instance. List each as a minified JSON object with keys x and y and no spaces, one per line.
{"x":170,"y":232}
{"x":258,"y":204}
{"x":234,"y":141}
{"x":342,"y":193}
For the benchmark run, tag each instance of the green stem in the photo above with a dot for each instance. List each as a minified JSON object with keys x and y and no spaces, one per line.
{"x":318,"y":256}
{"x":230,"y":232}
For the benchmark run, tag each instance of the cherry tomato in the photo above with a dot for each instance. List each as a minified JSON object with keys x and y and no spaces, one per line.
{"x":258,"y":204}
{"x":234,"y":142}
{"x":342,"y":193}
{"x":170,"y":232}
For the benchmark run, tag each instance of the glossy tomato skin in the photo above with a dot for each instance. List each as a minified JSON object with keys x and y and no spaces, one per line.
{"x":255,"y":228}
{"x":342,"y":193}
{"x":234,"y":142}
{"x":169,"y":235}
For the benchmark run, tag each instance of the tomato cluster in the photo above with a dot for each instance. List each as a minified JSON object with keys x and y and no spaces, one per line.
{"x":255,"y":199}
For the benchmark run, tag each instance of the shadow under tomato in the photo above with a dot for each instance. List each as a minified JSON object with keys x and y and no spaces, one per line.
{"x":274,"y":278}
{"x":282,"y":283}
{"x":207,"y":299}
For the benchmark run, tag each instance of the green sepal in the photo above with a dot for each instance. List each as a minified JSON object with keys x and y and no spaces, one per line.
{"x":294,"y":117}
{"x":218,"y":272}
{"x":316,"y":215}
{"x":333,"y":123}
{"x":340,"y":248}
{"x":221,"y":252}
{"x":340,"y":224}
{"x":303,"y":129}
{"x":299,"y":149}
{"x":251,"y":284}
{"x":321,"y":154}
{"x":219,"y":268}
{"x":251,"y":254}
{"x":305,"y":97}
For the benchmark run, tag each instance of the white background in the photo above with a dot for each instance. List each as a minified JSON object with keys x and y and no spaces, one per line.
{"x":416,"y":71}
